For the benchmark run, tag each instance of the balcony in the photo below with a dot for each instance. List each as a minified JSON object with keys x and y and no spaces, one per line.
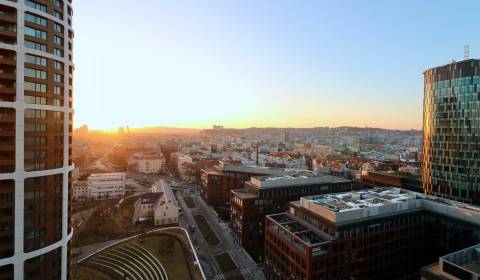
{"x":7,"y":58}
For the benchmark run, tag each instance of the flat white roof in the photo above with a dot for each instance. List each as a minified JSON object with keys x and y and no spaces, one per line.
{"x":372,"y":203}
{"x":302,"y":178}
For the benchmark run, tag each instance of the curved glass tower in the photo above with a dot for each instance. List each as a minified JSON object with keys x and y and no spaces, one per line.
{"x":36,"y":74}
{"x":451,"y":131}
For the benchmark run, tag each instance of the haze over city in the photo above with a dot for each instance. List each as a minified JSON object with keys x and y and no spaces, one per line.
{"x":239,"y":140}
{"x":263,"y":63}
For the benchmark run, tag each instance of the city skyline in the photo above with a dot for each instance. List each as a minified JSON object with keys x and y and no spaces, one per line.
{"x":262,"y":64}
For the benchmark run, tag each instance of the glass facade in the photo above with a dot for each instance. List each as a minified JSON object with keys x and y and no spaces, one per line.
{"x":451,"y":131}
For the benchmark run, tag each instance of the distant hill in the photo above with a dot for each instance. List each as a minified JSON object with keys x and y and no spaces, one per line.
{"x":165,"y":130}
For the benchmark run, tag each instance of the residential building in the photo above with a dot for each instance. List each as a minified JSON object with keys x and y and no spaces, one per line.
{"x":80,"y":191}
{"x":106,"y":185}
{"x":451,"y":141}
{"x":265,"y":195}
{"x":36,"y":77}
{"x":158,"y":207}
{"x":149,"y":164}
{"x":385,"y":233}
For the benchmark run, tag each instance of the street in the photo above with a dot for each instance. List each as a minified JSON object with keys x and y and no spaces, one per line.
{"x":241,"y":258}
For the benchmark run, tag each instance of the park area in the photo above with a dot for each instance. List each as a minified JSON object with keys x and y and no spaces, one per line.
{"x":108,"y":221}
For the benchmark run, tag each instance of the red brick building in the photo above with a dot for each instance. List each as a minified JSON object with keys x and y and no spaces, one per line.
{"x":217,"y":182}
{"x":271,"y":194}
{"x":384,"y":233}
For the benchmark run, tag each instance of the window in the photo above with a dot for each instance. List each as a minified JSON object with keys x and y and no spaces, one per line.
{"x":57,"y":78}
{"x":58,"y":3}
{"x":35,"y":114}
{"x":57,"y":90}
{"x":34,"y":73}
{"x":36,"y":19}
{"x":58,"y":27}
{"x":58,"y":52}
{"x":35,"y":33}
{"x":35,"y":100}
{"x":58,"y":65}
{"x":37,"y":60}
{"x":29,"y":86}
{"x":35,"y":5}
{"x":58,"y":15}
{"x":35,"y":46}
{"x":58,"y":40}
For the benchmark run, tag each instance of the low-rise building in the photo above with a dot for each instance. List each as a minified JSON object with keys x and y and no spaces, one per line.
{"x":149,"y":164}
{"x":80,"y":190}
{"x":386,"y":233}
{"x":158,"y":207}
{"x":265,"y":195}
{"x":106,"y":185}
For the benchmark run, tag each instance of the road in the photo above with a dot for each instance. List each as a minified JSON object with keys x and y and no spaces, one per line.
{"x":241,"y":258}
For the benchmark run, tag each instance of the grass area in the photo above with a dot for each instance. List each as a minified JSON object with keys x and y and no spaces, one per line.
{"x":78,"y":272}
{"x":189,"y":201}
{"x":225,"y":262}
{"x":206,"y":230}
{"x":170,"y":253}
{"x":107,"y":222}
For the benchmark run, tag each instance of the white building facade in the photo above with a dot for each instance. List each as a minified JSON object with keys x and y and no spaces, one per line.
{"x":150,"y":165}
{"x":106,"y":186}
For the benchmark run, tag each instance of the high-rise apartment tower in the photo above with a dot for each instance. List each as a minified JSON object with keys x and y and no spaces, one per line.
{"x":451,"y":131}
{"x":36,"y":74}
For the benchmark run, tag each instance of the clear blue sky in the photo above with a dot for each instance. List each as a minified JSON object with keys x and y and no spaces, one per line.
{"x":263,"y":63}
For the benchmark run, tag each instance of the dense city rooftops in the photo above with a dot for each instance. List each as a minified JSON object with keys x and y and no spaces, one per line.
{"x":297,"y":179}
{"x":373,"y":203}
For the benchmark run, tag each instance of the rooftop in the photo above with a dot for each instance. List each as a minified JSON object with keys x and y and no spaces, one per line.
{"x":298,"y":232}
{"x":357,"y":205}
{"x":150,"y":198}
{"x":294,"y":179}
{"x":244,"y":194}
{"x":100,"y":175}
{"x":467,"y":259}
{"x":464,"y":264}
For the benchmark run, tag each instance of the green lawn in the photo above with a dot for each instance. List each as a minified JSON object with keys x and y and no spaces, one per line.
{"x":225,"y":262}
{"x":206,"y":230}
{"x":189,"y":201}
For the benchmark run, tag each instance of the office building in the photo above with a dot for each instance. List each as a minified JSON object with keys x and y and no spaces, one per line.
{"x":451,"y":131}
{"x":36,"y":77}
{"x":385,"y":233}
{"x":375,"y":179}
{"x":217,"y":182}
{"x":265,"y":195}
{"x":106,"y":186}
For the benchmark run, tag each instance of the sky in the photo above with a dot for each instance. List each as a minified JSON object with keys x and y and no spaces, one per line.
{"x":246,"y":63}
